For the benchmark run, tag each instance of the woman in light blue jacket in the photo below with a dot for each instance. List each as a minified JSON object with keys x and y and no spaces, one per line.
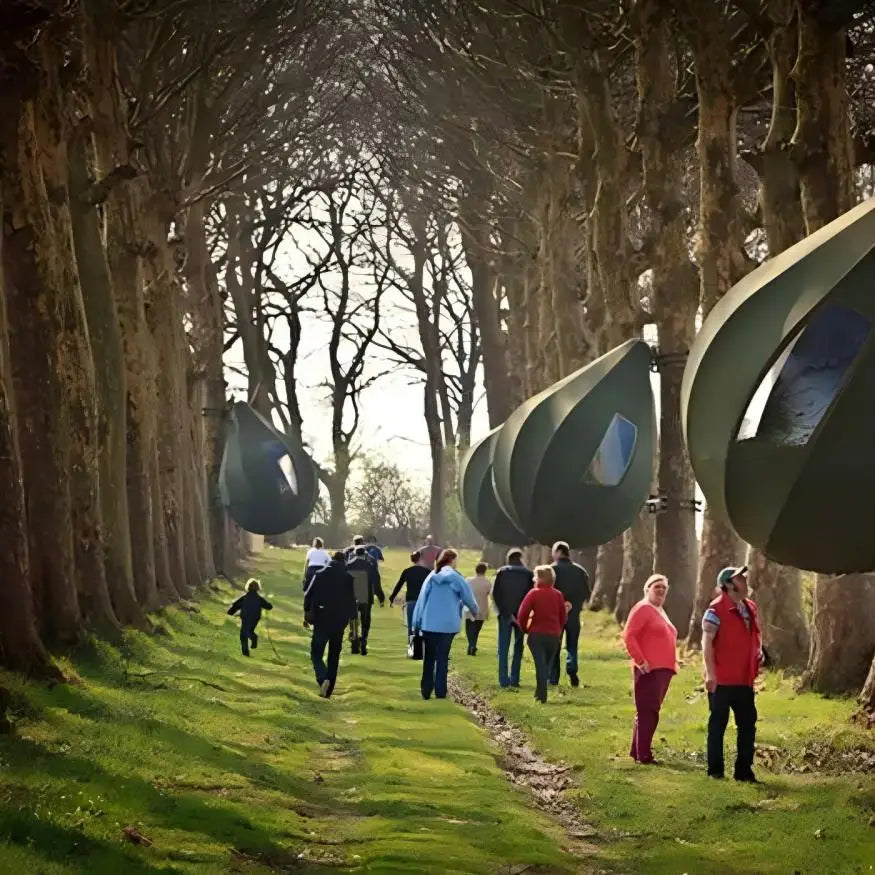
{"x":438,"y":615}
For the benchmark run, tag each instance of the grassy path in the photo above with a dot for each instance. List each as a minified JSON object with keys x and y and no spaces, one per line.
{"x":228,"y":764}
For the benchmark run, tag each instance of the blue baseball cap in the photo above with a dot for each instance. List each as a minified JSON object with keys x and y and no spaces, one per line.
{"x":729,"y":573}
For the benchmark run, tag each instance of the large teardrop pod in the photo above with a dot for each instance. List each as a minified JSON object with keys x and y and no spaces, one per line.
{"x":778,"y":401}
{"x":267,"y":480}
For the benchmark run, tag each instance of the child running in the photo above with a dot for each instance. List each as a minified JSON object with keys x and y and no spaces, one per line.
{"x":250,"y":606}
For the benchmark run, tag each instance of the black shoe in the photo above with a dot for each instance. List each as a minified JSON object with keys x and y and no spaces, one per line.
{"x":364,"y":650}
{"x":470,"y":650}
{"x":749,"y":778}
{"x":473,"y":651}
{"x":246,"y":653}
{"x":426,"y":696}
{"x":575,"y":680}
{"x":254,"y":642}
{"x":716,"y":775}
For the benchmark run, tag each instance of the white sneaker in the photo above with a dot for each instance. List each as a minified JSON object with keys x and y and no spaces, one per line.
{"x":323,"y":688}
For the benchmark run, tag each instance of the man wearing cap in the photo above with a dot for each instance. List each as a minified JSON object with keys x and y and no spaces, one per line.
{"x":732,"y":651}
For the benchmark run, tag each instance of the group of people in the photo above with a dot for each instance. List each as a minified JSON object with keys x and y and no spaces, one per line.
{"x":541,"y":606}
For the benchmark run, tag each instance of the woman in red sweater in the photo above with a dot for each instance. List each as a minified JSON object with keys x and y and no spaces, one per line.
{"x":542,"y":616}
{"x":651,"y":640}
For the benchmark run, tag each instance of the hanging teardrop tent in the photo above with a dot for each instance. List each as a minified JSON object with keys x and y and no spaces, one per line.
{"x":477,"y":495}
{"x":575,"y":461}
{"x":778,"y":401}
{"x":267,"y":480}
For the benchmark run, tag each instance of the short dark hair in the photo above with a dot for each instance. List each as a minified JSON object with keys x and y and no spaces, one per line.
{"x":562,"y":548}
{"x":415,"y":556}
{"x":514,"y":553}
{"x":358,"y":539}
{"x":339,"y":556}
{"x":481,"y":568}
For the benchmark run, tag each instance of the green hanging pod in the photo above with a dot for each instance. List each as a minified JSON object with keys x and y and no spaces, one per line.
{"x":778,"y":401}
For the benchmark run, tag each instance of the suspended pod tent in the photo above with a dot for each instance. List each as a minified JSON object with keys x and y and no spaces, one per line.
{"x":267,"y":480}
{"x":575,"y":461}
{"x":778,"y":401}
{"x":477,"y":495}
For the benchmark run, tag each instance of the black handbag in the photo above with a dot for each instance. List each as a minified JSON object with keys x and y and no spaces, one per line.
{"x":415,"y":646}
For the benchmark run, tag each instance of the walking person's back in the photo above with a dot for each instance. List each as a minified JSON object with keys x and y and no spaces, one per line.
{"x":366,"y":580}
{"x":572,"y":580}
{"x":542,"y":617}
{"x":329,"y":606}
{"x":481,"y":586}
{"x":512,"y":583}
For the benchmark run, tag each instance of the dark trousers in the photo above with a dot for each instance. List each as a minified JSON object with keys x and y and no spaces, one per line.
{"x":544,"y":649}
{"x":248,"y":636}
{"x":650,"y":690}
{"x":740,"y":700}
{"x":472,"y":632}
{"x":572,"y":637}
{"x":332,"y":638}
{"x":364,"y":622}
{"x":506,"y":629}
{"x":436,"y":663}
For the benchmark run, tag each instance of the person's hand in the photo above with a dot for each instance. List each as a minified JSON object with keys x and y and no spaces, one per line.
{"x":710,"y":683}
{"x":644,"y":668}
{"x":568,"y":607}
{"x":307,"y":625}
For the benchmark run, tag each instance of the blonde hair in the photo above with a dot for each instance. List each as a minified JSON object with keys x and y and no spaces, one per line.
{"x":652,"y":579}
{"x":545,"y":574}
{"x":253,"y":585}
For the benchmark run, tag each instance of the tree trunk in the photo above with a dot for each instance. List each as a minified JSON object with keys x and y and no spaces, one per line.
{"x":609,"y":573}
{"x":843,"y":637}
{"x":638,"y":547}
{"x":20,"y":646}
{"x":674,"y":300}
{"x":208,"y":320}
{"x":777,"y":588}
{"x":36,"y":305}
{"x":108,"y":356}
{"x":867,"y":696}
{"x":843,"y":631}
{"x":719,"y":250}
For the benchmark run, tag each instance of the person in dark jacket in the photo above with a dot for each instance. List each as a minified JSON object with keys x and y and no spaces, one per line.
{"x":329,"y":606}
{"x":366,"y":577}
{"x":412,"y":578}
{"x":357,"y":541}
{"x":572,"y":581}
{"x":511,"y":584}
{"x":250,"y":606}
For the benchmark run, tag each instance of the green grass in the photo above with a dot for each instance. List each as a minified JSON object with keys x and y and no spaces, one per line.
{"x":262,"y":775}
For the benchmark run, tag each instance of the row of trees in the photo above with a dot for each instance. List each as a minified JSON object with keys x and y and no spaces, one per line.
{"x":508,"y":189}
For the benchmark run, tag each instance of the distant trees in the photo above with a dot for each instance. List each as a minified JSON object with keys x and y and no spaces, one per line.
{"x":385,"y":503}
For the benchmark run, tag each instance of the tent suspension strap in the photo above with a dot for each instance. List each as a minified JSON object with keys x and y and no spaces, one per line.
{"x":659,"y":361}
{"x":660,"y":503}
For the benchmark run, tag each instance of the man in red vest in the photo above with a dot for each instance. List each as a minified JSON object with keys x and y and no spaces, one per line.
{"x":732,"y":651}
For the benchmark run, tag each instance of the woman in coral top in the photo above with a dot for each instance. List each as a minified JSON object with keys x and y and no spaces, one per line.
{"x":542,"y":616}
{"x":651,"y":640}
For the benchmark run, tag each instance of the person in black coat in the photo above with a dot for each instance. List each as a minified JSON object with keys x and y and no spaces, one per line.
{"x":366,"y":577}
{"x":572,"y":581}
{"x":509,"y":588}
{"x":250,"y":606}
{"x":412,"y":578}
{"x":329,"y":607}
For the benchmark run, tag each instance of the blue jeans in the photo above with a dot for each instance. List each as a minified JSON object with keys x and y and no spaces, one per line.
{"x":410,"y":607}
{"x":572,"y":636}
{"x":505,"y":628}
{"x":436,"y":663}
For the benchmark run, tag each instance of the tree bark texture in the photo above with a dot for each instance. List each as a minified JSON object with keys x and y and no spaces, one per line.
{"x":609,"y":573}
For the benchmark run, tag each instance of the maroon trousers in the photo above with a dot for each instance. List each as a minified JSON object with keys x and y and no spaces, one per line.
{"x":650,"y":690}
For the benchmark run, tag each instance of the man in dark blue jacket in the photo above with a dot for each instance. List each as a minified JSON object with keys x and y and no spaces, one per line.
{"x":250,"y":606}
{"x":329,"y":606}
{"x":366,"y":578}
{"x":511,"y":584}
{"x":572,"y":581}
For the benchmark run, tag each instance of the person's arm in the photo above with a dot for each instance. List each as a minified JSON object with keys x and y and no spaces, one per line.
{"x":310,"y":597}
{"x":525,"y":610}
{"x":563,"y":610}
{"x":632,"y":636}
{"x":466,"y":594}
{"x":398,"y":586}
{"x":416,"y":621}
{"x":378,"y":588}
{"x":353,"y":604}
{"x":710,"y":628}
{"x":265,"y":603}
{"x":235,"y":607}
{"x":496,"y":592}
{"x":587,"y":591}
